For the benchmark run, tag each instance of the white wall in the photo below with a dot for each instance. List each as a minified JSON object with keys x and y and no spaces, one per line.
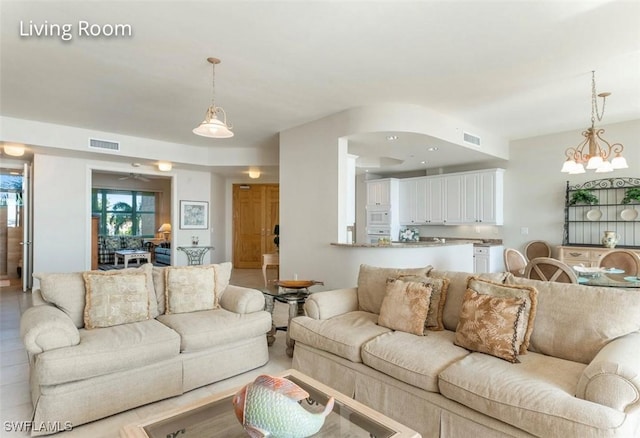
{"x":310,"y":157}
{"x":535,"y":187}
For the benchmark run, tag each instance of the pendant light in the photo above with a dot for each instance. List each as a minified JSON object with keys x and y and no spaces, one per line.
{"x":212,"y":126}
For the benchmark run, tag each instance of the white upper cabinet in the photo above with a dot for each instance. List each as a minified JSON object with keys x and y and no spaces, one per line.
{"x":414,"y":197}
{"x":379,"y":192}
{"x":454,"y":199}
{"x":483,"y":197}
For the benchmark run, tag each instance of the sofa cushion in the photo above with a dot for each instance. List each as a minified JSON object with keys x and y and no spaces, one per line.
{"x":113,"y":243}
{"x":343,"y":335}
{"x":223,"y":274}
{"x":405,"y":306}
{"x":456,"y":290}
{"x":67,"y":292}
{"x":202,"y":330}
{"x":439,"y":287}
{"x":108,"y":350}
{"x":536,"y":395}
{"x":528,"y":293}
{"x":489,"y":324}
{"x":575,"y":322}
{"x":372,"y":284}
{"x":416,"y":360}
{"x":113,"y":298}
{"x":190,"y":289}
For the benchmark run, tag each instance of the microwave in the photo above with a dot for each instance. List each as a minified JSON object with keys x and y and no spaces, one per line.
{"x":378,"y":217}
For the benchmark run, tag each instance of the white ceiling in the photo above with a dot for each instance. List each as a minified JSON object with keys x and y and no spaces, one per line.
{"x":516,"y":68}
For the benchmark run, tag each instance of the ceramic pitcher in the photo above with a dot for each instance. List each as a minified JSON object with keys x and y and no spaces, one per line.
{"x":610,"y":239}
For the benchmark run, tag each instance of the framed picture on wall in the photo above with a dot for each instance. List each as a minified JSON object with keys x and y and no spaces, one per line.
{"x":194,"y":215}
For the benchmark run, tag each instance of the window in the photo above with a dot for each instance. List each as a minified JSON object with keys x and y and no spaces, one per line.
{"x":125,"y":212}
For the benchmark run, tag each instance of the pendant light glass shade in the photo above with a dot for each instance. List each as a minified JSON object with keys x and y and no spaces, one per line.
{"x":212,"y":126}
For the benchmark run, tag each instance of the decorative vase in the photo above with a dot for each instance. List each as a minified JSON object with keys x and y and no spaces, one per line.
{"x":610,"y":239}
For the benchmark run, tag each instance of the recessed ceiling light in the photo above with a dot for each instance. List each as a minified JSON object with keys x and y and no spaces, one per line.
{"x":392,"y":137}
{"x":423,"y":162}
{"x":432,"y":149}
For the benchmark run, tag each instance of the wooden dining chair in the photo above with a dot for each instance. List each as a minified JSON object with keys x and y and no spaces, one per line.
{"x":548,"y":269}
{"x":514,"y":261}
{"x":537,"y":248}
{"x":623,"y":259}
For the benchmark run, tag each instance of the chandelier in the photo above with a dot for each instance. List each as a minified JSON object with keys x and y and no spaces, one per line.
{"x":212,"y":126}
{"x":594,"y":151}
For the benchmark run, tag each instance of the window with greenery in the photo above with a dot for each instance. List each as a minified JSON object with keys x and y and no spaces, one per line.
{"x":125,"y":212}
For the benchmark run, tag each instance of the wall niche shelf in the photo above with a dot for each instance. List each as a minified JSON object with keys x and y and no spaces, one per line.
{"x":584,"y":224}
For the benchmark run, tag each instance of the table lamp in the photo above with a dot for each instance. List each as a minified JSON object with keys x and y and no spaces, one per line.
{"x":165,"y":229}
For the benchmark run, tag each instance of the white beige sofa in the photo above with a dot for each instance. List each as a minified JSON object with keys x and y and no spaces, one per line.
{"x":80,"y":374}
{"x":579,"y":378}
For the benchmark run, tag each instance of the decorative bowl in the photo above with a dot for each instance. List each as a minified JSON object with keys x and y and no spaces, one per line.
{"x":587,"y":272}
{"x":296,"y":284}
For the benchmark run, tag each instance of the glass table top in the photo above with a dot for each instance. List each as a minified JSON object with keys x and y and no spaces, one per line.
{"x":214,"y":417}
{"x":611,"y":280}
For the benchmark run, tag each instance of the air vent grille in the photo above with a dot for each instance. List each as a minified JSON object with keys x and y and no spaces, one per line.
{"x":114,"y":146}
{"x":472,"y":139}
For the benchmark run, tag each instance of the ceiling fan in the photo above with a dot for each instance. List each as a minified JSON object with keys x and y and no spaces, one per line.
{"x":135,"y":176}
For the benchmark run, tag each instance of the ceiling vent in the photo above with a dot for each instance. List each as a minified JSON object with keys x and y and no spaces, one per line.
{"x":113,"y":146}
{"x":471,"y":139}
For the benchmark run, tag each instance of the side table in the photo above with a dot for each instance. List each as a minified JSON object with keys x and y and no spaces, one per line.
{"x":195,"y":254}
{"x":291,"y":292}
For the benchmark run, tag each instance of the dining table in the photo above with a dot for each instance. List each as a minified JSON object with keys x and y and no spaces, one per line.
{"x":611,"y":279}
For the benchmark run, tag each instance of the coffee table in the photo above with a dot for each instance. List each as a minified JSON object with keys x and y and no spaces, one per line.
{"x":131,"y":254}
{"x":213,"y":417}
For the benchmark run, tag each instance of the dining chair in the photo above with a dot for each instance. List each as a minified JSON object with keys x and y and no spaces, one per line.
{"x":514,"y":261}
{"x":537,"y":248}
{"x":548,"y":269}
{"x":623,"y":259}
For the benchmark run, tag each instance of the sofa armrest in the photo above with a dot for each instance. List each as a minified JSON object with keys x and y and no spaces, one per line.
{"x":613,"y":376}
{"x":45,"y":328}
{"x":242,"y":299}
{"x":325,"y":305}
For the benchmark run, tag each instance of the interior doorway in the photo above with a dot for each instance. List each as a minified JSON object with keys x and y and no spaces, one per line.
{"x":256,"y":209}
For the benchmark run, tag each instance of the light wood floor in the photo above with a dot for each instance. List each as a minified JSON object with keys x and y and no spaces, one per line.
{"x":15,"y":402}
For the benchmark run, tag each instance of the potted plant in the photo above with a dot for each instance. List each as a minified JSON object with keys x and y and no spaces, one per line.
{"x":583,"y":196}
{"x":632,"y":194}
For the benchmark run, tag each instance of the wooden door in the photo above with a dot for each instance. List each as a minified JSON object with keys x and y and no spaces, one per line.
{"x":255,"y":214}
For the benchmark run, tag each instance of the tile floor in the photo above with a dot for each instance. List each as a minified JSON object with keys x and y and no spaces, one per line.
{"x":15,"y":403}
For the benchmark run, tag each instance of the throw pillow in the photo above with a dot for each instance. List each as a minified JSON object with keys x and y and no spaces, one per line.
{"x":67,"y":291}
{"x":131,"y":242}
{"x":488,"y":324}
{"x":528,"y":293}
{"x":405,"y":306}
{"x":112,"y":243}
{"x":113,"y":298}
{"x":439,"y":288}
{"x":190,"y":288}
{"x":372,"y":284}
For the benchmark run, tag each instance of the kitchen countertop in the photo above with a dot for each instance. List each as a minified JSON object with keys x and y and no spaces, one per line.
{"x":426,"y":242}
{"x":420,"y":244}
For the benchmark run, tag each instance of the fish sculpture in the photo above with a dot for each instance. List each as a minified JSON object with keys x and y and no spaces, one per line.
{"x":269,"y":407}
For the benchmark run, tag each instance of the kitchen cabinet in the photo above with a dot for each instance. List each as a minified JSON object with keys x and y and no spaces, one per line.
{"x":482,"y":197}
{"x":453,"y":199}
{"x":382,"y":191}
{"x":413,"y":201}
{"x":488,"y":259}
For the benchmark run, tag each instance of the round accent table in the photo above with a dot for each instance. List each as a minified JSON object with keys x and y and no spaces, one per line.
{"x":291,"y":292}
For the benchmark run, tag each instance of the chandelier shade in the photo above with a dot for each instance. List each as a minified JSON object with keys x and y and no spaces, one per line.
{"x":594,"y":152}
{"x":212,"y":126}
